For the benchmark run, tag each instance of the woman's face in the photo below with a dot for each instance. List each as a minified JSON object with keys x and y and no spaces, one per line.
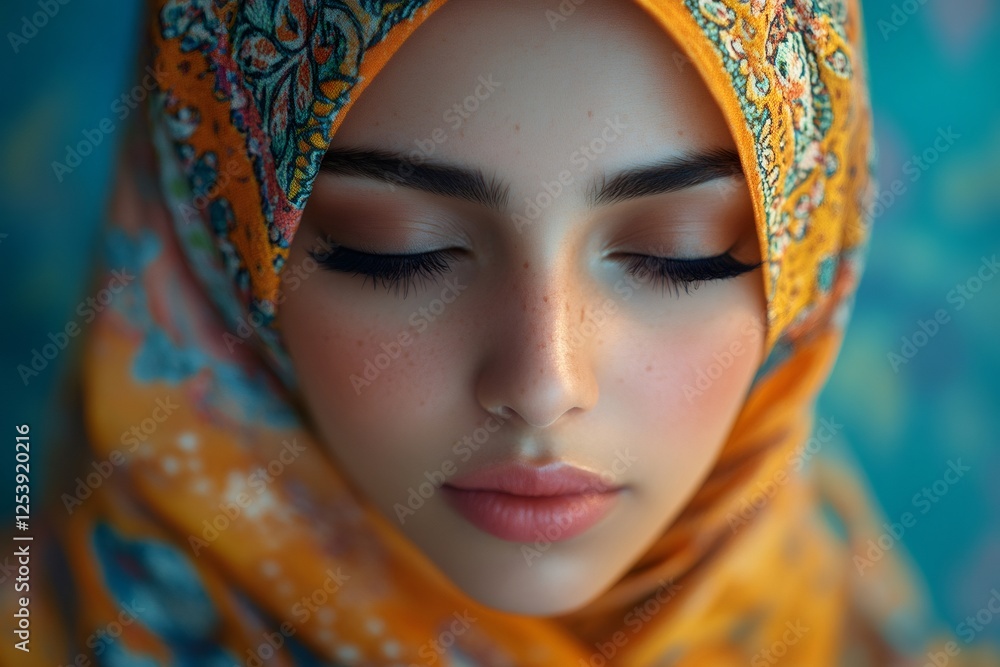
{"x":533,"y":406}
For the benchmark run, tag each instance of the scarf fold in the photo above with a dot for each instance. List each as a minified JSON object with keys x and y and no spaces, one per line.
{"x":189,"y":394}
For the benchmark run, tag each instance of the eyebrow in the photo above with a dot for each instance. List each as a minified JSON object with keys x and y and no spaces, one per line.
{"x":471,"y":184}
{"x":441,"y":179}
{"x":669,"y":175}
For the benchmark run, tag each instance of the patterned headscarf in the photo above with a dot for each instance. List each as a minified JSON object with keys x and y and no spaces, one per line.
{"x":223,"y":534}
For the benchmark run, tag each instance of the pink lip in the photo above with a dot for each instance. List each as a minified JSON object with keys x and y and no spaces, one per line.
{"x":523,"y":503}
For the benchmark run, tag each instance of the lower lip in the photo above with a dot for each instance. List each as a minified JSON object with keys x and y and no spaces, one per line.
{"x":530,"y":518}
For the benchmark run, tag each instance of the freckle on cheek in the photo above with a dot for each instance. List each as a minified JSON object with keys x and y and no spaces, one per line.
{"x":393,"y":378}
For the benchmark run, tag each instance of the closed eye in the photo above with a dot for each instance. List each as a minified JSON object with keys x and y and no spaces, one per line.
{"x":674,"y":273}
{"x":393,"y":270}
{"x":400,"y":270}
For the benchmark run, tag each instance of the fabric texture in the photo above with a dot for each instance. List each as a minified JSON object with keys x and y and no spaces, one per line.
{"x":208,"y":198}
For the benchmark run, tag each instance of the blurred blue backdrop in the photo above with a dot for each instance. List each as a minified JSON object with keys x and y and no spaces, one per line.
{"x":936,"y":94}
{"x":932,"y":80}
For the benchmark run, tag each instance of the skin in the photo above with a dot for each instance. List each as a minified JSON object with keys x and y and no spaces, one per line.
{"x":512,"y":341}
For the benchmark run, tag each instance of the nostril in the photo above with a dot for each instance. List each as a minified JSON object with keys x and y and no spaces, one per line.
{"x":503,"y":413}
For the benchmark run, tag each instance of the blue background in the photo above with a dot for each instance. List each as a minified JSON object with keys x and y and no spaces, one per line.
{"x":931,"y":70}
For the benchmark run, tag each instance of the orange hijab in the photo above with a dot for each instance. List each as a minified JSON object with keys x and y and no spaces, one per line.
{"x":188,"y":553}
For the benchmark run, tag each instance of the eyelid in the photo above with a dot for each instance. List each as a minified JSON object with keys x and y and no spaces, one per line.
{"x":329,"y":246}
{"x":394,"y":270}
{"x":391,"y":224}
{"x":675,"y":251}
{"x":368,"y":249}
{"x":688,"y":273}
{"x":363,"y":250}
{"x":666,"y":255}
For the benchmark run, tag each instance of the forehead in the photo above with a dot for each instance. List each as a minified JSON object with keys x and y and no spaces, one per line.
{"x":498,"y":85}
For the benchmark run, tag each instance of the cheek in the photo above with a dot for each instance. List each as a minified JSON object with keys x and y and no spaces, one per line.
{"x":717,"y":367}
{"x":684,"y":386}
{"x":363,"y":381}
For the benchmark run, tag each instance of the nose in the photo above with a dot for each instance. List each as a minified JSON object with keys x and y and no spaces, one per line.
{"x":539,"y":361}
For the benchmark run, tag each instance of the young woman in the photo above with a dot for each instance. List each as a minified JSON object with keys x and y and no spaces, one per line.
{"x":479,"y":333}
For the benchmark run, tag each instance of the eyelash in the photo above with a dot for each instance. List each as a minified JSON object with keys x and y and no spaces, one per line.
{"x":399,"y":270}
{"x":689,"y":273}
{"x":393,"y":270}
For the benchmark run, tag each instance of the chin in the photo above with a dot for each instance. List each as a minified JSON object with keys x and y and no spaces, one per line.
{"x":538,"y":599}
{"x":520,"y":578}
{"x":527,"y":578}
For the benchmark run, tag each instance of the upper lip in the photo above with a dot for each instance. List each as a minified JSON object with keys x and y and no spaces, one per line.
{"x":525,"y":479}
